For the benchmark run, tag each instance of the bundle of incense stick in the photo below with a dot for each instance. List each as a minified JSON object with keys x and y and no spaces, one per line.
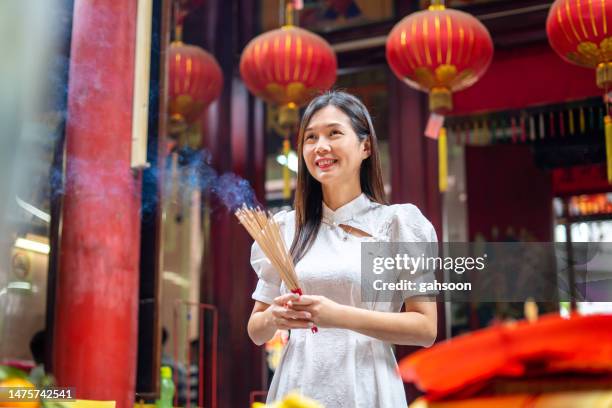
{"x":266,"y":232}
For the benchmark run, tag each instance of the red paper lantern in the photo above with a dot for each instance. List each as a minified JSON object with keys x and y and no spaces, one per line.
{"x":578,"y":31}
{"x":194,"y":81}
{"x":287,"y":67}
{"x":439,"y":51}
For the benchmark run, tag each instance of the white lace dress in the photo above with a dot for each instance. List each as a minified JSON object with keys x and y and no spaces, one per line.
{"x":338,"y":367}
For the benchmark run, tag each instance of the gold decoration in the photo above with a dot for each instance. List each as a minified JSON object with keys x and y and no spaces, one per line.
{"x":608,"y":132}
{"x":424,"y":77}
{"x":604,"y":75}
{"x":440,"y":99}
{"x":589,"y":54}
{"x":297,"y":91}
{"x":436,"y":5}
{"x":446,"y":72}
{"x":286,"y":172}
{"x":442,"y":161}
{"x":530,"y":310}
{"x":288,"y":116}
{"x":445,"y":75}
{"x":294,"y":91}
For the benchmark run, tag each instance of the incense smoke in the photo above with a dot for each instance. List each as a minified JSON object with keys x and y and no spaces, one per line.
{"x":193,"y":171}
{"x":196,"y":171}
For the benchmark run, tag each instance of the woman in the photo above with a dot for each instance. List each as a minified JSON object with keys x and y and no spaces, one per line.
{"x":339,"y":204}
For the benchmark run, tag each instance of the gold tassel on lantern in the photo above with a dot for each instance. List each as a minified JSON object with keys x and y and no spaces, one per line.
{"x":443,"y":161}
{"x":286,"y":171}
{"x":608,"y":127}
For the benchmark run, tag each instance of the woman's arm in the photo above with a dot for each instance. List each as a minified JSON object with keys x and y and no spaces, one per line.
{"x":266,"y":319}
{"x":417,"y":326}
{"x":260,"y":325}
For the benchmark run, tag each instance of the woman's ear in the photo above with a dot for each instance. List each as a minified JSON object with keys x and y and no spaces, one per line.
{"x":366,"y":149}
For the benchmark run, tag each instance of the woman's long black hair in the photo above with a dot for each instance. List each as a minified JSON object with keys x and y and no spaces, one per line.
{"x":309,"y":195}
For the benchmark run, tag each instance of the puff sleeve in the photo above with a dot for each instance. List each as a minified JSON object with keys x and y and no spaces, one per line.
{"x":416,"y":237}
{"x":268,"y":285}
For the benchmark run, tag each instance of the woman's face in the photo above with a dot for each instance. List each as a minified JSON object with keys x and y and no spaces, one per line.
{"x":331,"y":149}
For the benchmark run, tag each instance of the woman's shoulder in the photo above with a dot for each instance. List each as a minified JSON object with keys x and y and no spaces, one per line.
{"x":284,"y":216}
{"x":286,"y":221}
{"x":405,"y":222}
{"x":396,"y":211}
{"x":408,"y":210}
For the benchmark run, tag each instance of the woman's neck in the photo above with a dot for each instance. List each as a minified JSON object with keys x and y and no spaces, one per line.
{"x":335,"y":197}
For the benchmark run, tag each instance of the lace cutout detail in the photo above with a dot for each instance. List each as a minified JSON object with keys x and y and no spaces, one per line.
{"x":348,"y":230}
{"x":354,"y":231}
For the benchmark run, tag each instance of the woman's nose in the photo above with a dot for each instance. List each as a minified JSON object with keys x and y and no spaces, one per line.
{"x":322,"y":146}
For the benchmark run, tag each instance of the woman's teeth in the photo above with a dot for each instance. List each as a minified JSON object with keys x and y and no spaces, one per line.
{"x":325,"y":163}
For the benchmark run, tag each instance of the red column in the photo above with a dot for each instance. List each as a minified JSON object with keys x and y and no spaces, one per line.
{"x":95,"y":340}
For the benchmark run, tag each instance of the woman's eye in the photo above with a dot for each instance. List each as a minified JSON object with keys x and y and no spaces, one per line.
{"x":336,"y":132}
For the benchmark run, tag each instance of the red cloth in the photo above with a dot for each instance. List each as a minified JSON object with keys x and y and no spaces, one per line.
{"x":550,"y":345}
{"x":23,"y":365}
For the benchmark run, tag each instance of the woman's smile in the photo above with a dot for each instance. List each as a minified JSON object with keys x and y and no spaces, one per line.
{"x":325,"y":164}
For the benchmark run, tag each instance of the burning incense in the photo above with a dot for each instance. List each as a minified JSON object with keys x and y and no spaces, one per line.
{"x":266,"y":232}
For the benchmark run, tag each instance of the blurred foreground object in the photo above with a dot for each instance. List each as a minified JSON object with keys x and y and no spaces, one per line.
{"x":292,"y":400}
{"x":14,"y":378}
{"x":275,"y":347}
{"x":89,"y":404}
{"x":590,"y":399}
{"x":553,"y":357}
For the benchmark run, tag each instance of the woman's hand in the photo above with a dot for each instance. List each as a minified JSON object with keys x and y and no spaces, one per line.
{"x":285,"y":318}
{"x":323,"y":311}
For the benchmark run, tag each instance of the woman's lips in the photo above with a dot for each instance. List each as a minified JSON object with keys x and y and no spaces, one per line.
{"x":325,"y":164}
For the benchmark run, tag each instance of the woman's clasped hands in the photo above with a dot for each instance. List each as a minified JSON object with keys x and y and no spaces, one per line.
{"x":292,"y":311}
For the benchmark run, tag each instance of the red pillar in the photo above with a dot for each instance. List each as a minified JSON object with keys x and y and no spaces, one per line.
{"x":95,"y":340}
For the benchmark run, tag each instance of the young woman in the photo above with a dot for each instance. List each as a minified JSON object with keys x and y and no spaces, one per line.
{"x":339,"y":204}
